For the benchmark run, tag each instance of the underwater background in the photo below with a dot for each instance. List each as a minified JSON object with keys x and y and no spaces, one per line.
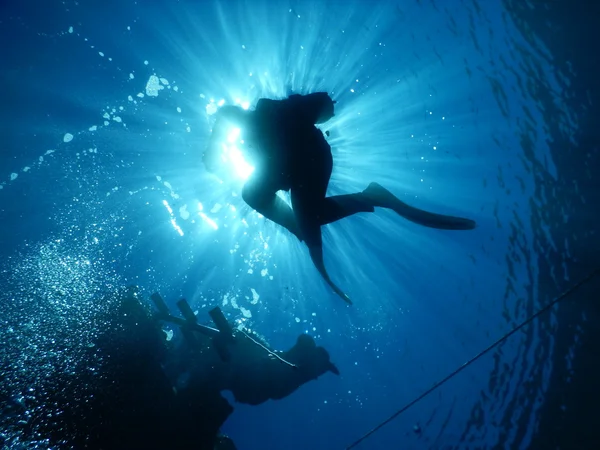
{"x":481,"y":109}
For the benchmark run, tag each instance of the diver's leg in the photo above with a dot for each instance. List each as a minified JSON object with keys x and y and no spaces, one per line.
{"x":308,"y":202}
{"x":262,"y":196}
{"x":339,"y":206}
{"x":307,"y":207}
{"x":377,"y":195}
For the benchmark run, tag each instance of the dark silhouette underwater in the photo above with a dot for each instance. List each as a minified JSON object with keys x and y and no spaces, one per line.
{"x":290,"y":153}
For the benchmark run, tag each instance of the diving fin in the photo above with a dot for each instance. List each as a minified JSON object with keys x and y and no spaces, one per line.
{"x":316,"y":255}
{"x":380,"y":196}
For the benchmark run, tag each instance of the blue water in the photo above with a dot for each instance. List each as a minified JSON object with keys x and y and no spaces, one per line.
{"x":102,"y":185}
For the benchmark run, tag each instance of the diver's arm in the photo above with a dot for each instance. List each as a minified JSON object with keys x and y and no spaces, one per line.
{"x":210,"y":157}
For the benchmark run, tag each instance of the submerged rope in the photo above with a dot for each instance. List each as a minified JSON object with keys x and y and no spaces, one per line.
{"x":269,"y":351}
{"x":459,"y":369}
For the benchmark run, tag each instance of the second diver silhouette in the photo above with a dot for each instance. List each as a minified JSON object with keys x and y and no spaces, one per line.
{"x":290,"y":153}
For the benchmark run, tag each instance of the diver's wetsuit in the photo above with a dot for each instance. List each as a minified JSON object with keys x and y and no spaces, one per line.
{"x":295,"y":156}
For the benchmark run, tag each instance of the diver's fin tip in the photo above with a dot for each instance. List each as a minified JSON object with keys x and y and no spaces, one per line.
{"x":471,"y":225}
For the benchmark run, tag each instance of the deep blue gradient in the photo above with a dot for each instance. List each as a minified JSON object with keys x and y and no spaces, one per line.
{"x":438,"y":101}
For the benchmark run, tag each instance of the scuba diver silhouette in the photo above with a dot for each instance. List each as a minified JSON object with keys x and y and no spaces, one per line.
{"x":290,"y":153}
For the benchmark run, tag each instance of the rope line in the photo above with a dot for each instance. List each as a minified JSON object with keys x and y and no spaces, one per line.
{"x":459,"y":369}
{"x":270,"y":352}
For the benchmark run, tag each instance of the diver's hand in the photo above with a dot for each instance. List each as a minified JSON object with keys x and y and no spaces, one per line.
{"x":212,"y":152}
{"x":209,"y":161}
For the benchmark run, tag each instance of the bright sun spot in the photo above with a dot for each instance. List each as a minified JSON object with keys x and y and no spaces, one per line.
{"x":231,"y":154}
{"x":234,"y":135}
{"x":233,"y":157}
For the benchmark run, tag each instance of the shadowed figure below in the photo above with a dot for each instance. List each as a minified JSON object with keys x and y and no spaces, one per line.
{"x":290,"y":153}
